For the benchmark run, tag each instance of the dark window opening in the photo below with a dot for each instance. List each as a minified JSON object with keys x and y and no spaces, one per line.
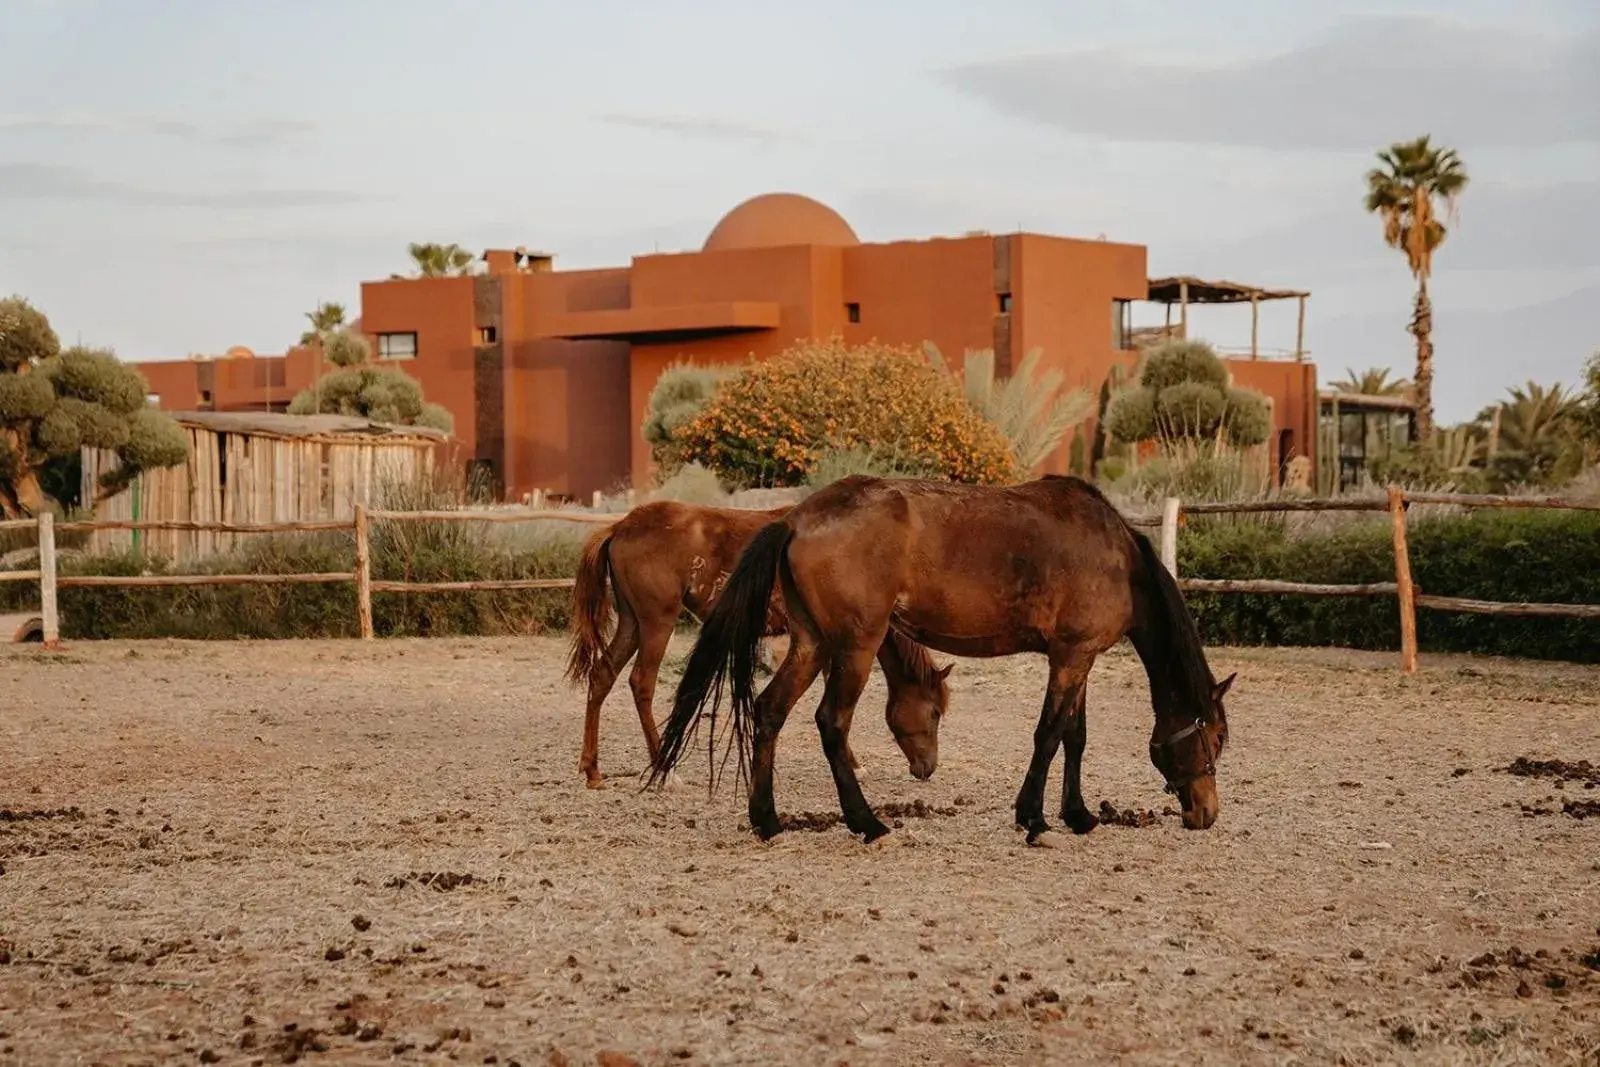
{"x":486,"y":335}
{"x":1005,"y":303}
{"x":1122,"y":324}
{"x":853,"y":312}
{"x":397,"y":346}
{"x":205,"y":398}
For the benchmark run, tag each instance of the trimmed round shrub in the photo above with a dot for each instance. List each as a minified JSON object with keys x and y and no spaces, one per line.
{"x":1183,"y":361}
{"x":25,"y":335}
{"x":1249,"y":419}
{"x":345,"y":349}
{"x":769,"y":425}
{"x":24,"y":397}
{"x":98,"y":377}
{"x":1190,"y":409}
{"x":1131,"y":415}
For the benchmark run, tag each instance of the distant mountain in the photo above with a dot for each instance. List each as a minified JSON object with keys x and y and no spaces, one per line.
{"x":1479,"y":354}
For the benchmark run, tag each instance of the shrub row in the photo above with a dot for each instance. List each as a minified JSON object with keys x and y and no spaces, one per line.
{"x":1527,"y":556}
{"x":422,"y":552}
{"x":1534,"y":556}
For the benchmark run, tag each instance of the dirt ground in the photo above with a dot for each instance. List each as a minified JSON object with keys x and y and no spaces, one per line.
{"x":249,"y":853}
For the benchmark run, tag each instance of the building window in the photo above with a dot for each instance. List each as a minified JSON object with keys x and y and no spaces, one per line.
{"x":1121,"y":324}
{"x":1005,"y":303}
{"x":853,"y":312}
{"x":397,"y":346}
{"x":486,"y":335}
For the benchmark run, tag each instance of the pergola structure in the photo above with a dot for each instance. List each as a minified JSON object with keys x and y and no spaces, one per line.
{"x":1184,"y":290}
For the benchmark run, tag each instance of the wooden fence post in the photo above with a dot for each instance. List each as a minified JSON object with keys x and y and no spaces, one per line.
{"x":363,"y":574}
{"x":1169,"y":534}
{"x":1404,"y":590}
{"x":47,"y":580}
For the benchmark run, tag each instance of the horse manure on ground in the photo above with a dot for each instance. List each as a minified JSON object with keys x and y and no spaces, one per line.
{"x":441,"y":881}
{"x":896,"y":810}
{"x":1110,"y":815}
{"x":1560,"y":772}
{"x":1581,"y":772}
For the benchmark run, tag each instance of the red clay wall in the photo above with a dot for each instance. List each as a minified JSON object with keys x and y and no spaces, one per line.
{"x":1293,"y":389}
{"x":566,"y":402}
{"x":440,"y":312}
{"x":1062,"y":294}
{"x":915,"y":291}
{"x":803,"y":281}
{"x":175,"y":381}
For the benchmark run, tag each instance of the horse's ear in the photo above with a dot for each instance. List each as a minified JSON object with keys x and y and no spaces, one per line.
{"x":1220,"y":690}
{"x":944,"y":672}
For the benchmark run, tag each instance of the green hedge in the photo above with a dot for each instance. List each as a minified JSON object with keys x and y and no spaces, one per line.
{"x":1532,"y":556}
{"x":420,"y":552}
{"x":1547,"y":556}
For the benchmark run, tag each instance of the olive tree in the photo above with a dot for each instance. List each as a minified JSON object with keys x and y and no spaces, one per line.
{"x":54,"y":402}
{"x":363,"y":389}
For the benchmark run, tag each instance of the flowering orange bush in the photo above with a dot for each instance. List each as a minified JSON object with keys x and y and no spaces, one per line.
{"x":768,"y":425}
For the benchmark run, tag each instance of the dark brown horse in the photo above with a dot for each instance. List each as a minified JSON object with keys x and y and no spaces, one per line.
{"x":664,"y":557}
{"x":1049,"y":566}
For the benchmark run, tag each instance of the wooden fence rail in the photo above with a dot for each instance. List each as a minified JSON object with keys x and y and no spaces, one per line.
{"x":1403,"y":588}
{"x":1173,"y":514}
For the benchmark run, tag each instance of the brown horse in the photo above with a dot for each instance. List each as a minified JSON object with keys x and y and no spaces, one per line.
{"x":1049,"y":566}
{"x":664,"y":557}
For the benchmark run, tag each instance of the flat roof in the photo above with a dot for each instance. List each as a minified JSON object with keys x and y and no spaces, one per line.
{"x":274,"y":424}
{"x":1171,"y":291}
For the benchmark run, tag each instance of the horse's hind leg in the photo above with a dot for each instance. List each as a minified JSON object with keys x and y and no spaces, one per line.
{"x":847,"y":678}
{"x":1074,"y":812}
{"x":795,"y":675}
{"x":654,"y":636}
{"x":624,"y":643}
{"x":1068,"y":673}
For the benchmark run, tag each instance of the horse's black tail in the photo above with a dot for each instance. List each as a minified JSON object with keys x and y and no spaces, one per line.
{"x":727,"y":648}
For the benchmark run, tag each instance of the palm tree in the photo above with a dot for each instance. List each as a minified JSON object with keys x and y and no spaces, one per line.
{"x":1374,"y":381}
{"x":432,"y":260}
{"x":1402,"y":192}
{"x":1535,"y":416}
{"x":327,"y":318}
{"x":1033,"y":413}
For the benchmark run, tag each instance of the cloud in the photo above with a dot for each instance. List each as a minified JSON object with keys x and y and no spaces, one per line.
{"x":716,"y":129}
{"x":1369,"y":81}
{"x":247,"y":132}
{"x":42,"y":181}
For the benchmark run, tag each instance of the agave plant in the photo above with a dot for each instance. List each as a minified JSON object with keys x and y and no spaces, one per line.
{"x":1031,"y":409}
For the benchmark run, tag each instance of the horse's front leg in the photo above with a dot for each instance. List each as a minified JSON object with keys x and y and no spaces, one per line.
{"x":1074,"y":812}
{"x":1067,"y":677}
{"x":796,"y":673}
{"x":846,"y":680}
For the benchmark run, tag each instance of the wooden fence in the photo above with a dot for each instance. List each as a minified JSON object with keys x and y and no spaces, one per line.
{"x":1403,"y":588}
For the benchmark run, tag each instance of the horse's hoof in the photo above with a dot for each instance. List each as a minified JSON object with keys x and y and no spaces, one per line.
{"x":874,"y":833}
{"x":1044,"y":839}
{"x":595,"y":782}
{"x":1080,"y":821}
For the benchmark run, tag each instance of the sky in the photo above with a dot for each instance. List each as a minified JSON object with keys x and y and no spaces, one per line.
{"x":180,"y":176}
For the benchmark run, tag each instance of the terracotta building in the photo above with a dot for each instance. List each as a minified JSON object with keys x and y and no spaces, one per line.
{"x":547,"y":372}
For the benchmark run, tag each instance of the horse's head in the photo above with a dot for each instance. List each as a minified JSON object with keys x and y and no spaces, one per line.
{"x":1186,"y":754}
{"x":913,"y":714}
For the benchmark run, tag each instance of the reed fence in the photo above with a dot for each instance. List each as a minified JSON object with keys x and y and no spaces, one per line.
{"x":1173,"y":514}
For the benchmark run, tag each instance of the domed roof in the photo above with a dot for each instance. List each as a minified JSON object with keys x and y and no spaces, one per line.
{"x":776,"y":219}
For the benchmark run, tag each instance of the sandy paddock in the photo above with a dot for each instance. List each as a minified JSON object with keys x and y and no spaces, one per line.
{"x":249,"y":853}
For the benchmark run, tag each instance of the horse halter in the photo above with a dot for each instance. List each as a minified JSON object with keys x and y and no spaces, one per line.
{"x":1208,"y":766}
